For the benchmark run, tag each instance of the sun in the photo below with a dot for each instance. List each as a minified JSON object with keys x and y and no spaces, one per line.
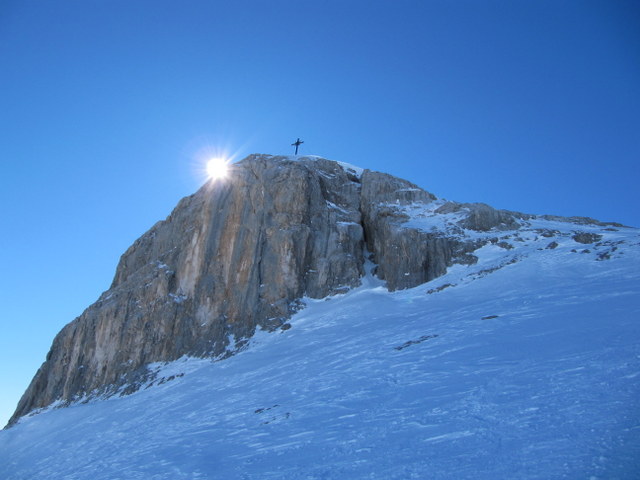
{"x":217,"y":168}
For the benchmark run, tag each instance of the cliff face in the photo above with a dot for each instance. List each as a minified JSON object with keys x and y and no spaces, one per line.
{"x":240,"y":254}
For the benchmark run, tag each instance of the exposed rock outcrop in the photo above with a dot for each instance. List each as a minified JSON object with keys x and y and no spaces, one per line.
{"x":405,"y":257}
{"x":233,"y":256}
{"x":482,"y":218}
{"x":238,"y":255}
{"x":408,"y":256}
{"x":586,"y":238}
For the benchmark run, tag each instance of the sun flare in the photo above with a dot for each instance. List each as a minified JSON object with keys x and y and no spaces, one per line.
{"x":217,"y":168}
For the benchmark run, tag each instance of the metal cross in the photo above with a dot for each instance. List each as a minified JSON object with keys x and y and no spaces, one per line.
{"x":297,"y":143}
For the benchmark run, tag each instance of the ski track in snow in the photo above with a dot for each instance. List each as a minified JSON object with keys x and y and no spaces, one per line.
{"x":527,"y":366}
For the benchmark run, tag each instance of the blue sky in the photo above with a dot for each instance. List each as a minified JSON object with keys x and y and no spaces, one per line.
{"x":108,"y":110}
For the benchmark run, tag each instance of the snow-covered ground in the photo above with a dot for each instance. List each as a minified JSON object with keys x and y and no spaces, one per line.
{"x":525,"y":365}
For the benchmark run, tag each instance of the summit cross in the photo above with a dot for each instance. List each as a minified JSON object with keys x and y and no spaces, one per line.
{"x":297,"y":143}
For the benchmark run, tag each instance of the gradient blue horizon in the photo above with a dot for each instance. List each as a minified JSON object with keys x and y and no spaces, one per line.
{"x":108,"y":111}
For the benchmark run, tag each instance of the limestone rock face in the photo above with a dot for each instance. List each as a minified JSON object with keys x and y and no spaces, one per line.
{"x":234,"y":256}
{"x":237,"y":255}
{"x":405,"y":256}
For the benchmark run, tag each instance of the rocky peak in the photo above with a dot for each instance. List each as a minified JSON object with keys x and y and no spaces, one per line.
{"x":240,"y":254}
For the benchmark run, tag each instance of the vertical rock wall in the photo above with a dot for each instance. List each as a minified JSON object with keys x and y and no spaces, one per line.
{"x":237,"y":255}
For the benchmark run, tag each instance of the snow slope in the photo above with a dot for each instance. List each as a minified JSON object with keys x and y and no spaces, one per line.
{"x":525,"y":365}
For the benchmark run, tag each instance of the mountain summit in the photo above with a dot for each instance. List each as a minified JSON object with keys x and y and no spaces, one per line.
{"x":237,"y":255}
{"x":309,"y":319}
{"x":241,"y":253}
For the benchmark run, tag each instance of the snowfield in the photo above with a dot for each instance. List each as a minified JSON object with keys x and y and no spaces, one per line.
{"x":525,"y":365}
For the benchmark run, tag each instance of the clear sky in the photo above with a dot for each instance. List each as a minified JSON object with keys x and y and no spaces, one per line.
{"x":108,"y":110}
